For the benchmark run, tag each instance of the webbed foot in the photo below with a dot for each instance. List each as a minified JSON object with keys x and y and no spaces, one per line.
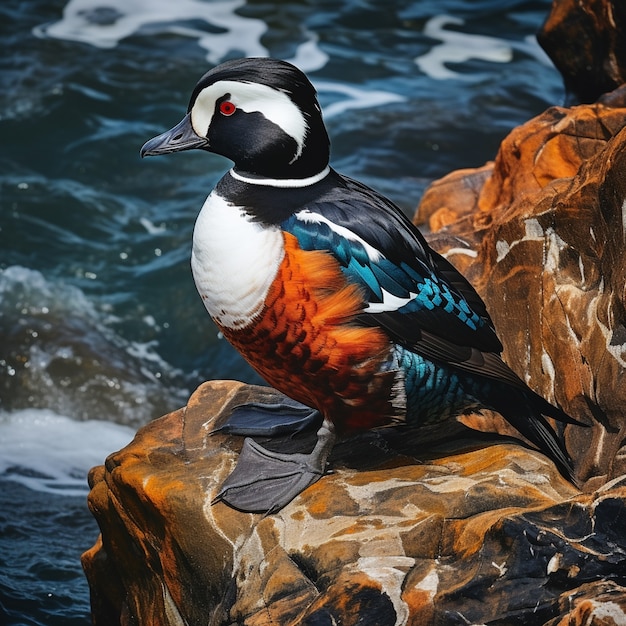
{"x":257,"y":419}
{"x":264,"y":481}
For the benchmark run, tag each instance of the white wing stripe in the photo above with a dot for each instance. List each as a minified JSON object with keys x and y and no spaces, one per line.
{"x":389,"y":303}
{"x":308,"y":216}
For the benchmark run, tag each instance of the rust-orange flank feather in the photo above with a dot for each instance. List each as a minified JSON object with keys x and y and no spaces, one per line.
{"x":293,"y":343}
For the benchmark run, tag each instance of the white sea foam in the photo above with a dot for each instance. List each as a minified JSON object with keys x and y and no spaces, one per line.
{"x":309,"y":57}
{"x":52,"y":453}
{"x":357,"y":98}
{"x":104,"y":23}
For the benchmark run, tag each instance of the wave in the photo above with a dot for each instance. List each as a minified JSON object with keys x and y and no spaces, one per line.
{"x":105,"y":24}
{"x":459,"y":47}
{"x":52,"y":453}
{"x":61,"y":353}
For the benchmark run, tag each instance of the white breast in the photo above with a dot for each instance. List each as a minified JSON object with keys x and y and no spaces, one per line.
{"x":234,"y":261}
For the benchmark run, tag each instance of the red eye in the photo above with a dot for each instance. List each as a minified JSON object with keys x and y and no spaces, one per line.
{"x":227,"y":108}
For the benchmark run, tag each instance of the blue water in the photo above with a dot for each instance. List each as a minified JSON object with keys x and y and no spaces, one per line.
{"x":100,"y":326}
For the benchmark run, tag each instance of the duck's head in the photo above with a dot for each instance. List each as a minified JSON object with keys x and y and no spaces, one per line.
{"x":261,"y":113}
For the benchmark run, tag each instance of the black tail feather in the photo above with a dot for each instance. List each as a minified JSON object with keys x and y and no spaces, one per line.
{"x":526,"y":412}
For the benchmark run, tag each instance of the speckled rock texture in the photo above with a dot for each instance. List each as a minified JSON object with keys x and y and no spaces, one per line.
{"x":542,"y":237}
{"x":491,"y":534}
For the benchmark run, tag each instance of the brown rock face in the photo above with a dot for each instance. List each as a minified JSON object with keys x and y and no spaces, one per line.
{"x":543,"y":240}
{"x":586,"y":40}
{"x":472,"y":536}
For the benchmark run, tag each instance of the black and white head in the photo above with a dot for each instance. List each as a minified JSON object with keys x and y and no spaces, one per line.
{"x":261,"y":113}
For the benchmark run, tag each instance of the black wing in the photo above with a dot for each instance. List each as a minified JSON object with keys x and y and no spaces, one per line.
{"x":416,"y":295}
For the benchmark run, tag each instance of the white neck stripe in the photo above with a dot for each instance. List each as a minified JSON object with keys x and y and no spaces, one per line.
{"x":282,"y":182}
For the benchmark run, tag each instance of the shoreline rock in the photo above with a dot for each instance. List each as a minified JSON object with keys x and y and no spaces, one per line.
{"x":476,"y":535}
{"x":542,"y":238}
{"x":596,"y":64}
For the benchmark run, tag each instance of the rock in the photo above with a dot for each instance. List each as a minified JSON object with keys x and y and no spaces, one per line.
{"x":586,"y":40}
{"x":543,"y":240}
{"x":453,"y":197}
{"x":465,"y":536}
{"x":598,"y":603}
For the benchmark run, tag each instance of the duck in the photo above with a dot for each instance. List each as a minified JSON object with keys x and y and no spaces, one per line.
{"x":329,"y":291}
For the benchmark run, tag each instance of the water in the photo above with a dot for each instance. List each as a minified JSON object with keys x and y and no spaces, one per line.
{"x":100,"y":326}
{"x":44,"y":526}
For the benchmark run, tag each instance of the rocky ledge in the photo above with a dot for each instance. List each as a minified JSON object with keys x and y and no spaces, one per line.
{"x":490,"y":533}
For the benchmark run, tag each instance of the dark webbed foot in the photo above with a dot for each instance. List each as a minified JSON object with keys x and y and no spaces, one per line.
{"x":264,"y":481}
{"x":257,"y":419}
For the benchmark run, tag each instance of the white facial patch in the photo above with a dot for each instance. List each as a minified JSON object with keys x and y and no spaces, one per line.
{"x":273,"y":104}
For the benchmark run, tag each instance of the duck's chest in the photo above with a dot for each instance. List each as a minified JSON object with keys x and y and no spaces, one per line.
{"x":234,"y":261}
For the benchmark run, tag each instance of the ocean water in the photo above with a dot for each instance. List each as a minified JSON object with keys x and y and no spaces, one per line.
{"x":100,"y":326}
